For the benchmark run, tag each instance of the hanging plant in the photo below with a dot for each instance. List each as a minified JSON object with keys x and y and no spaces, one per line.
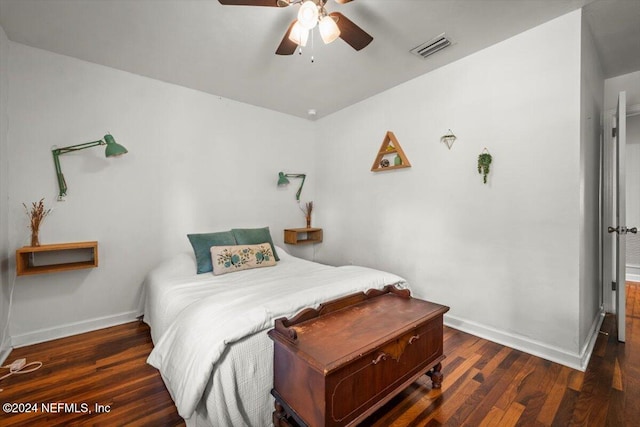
{"x":484,"y":164}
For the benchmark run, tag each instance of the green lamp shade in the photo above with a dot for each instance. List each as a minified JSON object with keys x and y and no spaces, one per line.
{"x":113,"y":148}
{"x":282,"y":179}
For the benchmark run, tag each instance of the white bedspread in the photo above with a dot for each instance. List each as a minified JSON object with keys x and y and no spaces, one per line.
{"x":194,"y":318}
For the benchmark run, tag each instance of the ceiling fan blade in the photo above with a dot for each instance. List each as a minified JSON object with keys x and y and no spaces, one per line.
{"x":287,"y":47}
{"x":350,"y":32}
{"x":271,"y":3}
{"x":342,"y":1}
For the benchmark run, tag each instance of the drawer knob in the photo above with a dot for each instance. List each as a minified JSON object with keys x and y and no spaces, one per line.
{"x":381,"y":356}
{"x":414,"y":338}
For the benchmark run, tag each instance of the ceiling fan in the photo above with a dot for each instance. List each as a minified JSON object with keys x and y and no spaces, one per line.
{"x":312,"y":13}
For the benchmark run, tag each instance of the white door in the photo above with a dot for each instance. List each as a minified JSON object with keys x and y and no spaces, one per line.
{"x":621,"y":229}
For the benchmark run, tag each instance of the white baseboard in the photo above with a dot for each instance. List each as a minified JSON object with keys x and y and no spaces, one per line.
{"x":4,"y":353}
{"x":632,"y":277}
{"x":633,"y":273}
{"x":75,"y":328}
{"x":593,"y":336}
{"x":536,"y":348}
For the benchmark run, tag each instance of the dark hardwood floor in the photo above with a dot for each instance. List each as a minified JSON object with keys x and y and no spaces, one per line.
{"x":485,"y":384}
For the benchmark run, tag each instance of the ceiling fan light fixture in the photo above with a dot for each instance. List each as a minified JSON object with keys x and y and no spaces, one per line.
{"x":308,"y":14}
{"x":298,"y":34}
{"x":329,"y":30}
{"x":311,"y":13}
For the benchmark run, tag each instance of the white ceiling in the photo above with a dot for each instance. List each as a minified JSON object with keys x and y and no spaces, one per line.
{"x":229,"y":50}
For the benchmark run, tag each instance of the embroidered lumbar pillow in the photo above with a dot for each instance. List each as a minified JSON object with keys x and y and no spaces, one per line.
{"x":227,"y":259}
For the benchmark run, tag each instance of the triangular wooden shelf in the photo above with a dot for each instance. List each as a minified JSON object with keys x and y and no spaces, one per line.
{"x":390,"y":145}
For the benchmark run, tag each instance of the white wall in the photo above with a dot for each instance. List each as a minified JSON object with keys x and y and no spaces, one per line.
{"x":5,"y":276}
{"x":504,"y":256}
{"x":591,"y":109}
{"x":196,"y":163}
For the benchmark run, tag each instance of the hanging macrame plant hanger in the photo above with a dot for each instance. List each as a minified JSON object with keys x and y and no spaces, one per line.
{"x":449,"y":139}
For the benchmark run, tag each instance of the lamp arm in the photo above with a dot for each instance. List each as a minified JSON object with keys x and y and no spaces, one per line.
{"x":78,"y":147}
{"x":301,"y":184}
{"x":62,"y":185}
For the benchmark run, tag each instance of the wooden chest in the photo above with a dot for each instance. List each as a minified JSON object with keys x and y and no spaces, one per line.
{"x":336,"y":365}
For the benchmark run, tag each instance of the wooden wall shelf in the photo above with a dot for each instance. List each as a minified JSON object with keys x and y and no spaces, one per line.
{"x":26,"y":255}
{"x":299,"y":236}
{"x":390,"y":145}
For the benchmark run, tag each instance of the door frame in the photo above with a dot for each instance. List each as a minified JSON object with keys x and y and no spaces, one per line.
{"x":607,"y":210}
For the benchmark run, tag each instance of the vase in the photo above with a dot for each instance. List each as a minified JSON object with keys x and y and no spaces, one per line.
{"x":35,"y":240}
{"x":308,"y":221}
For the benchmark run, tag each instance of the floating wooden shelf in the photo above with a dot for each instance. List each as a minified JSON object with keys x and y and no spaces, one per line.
{"x":26,"y":256}
{"x":390,"y":145}
{"x":299,"y":236}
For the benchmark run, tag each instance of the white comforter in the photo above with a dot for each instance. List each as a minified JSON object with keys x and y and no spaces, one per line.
{"x":195,"y":317}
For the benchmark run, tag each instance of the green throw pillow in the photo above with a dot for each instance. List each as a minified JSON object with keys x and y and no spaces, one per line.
{"x":254,"y":236}
{"x":202,"y":247}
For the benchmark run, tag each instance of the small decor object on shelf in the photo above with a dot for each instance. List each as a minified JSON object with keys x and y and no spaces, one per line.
{"x":37,"y":213}
{"x":484,"y":164}
{"x":384,"y":163}
{"x":307,"y":213}
{"x":449,"y":139}
{"x":397,"y":160}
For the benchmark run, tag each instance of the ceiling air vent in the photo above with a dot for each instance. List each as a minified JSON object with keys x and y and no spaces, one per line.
{"x":432,"y":46}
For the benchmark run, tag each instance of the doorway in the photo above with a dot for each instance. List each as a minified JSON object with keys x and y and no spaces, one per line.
{"x":633,"y":196}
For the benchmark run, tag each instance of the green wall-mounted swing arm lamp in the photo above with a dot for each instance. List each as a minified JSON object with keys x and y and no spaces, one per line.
{"x":113,"y":149}
{"x":283,"y":180}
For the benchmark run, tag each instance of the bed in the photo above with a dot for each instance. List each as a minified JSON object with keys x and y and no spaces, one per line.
{"x":209,"y":332}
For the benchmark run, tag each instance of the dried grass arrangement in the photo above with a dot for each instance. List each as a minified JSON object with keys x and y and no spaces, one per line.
{"x":37,"y":213}
{"x":307,"y":213}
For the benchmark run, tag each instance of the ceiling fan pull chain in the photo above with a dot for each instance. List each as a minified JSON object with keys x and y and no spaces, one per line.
{"x":312,"y":39}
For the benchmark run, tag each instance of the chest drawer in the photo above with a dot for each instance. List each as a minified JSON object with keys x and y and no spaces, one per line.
{"x":361,"y":384}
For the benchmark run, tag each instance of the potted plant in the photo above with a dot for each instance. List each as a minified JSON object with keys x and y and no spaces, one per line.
{"x":484,"y":164}
{"x":307,"y":213}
